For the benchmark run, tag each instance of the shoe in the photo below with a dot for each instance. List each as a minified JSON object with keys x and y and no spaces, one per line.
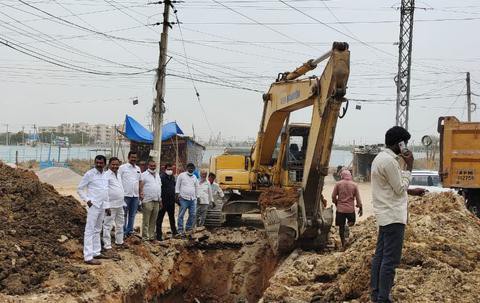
{"x":179,"y":236}
{"x":101,"y":256}
{"x":122,"y":246}
{"x":93,"y":262}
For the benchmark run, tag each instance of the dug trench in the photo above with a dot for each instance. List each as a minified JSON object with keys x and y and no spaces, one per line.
{"x":41,"y":256}
{"x":218,"y":266}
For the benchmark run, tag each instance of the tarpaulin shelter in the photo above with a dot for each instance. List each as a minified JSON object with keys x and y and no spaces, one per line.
{"x":177,"y":149}
{"x":134,"y":131}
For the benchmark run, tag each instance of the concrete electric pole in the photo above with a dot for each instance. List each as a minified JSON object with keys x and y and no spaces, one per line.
{"x":159,"y":108}
{"x":402,"y":79}
{"x":469,"y":99}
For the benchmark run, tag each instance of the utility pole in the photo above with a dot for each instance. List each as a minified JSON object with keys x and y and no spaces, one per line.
{"x":158,"y":109}
{"x":402,"y":79}
{"x":469,"y":99}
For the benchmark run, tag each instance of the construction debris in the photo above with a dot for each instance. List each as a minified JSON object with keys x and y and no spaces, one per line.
{"x":439,"y":261}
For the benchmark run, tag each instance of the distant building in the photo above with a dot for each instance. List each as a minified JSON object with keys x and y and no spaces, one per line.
{"x":47,"y":129}
{"x":101,"y":133}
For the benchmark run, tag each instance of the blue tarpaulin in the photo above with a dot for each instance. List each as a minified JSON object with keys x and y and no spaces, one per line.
{"x":136,"y":132}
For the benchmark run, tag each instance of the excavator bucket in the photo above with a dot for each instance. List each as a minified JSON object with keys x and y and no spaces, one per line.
{"x":281,"y":226}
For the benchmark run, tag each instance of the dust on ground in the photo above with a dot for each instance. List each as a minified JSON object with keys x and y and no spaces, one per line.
{"x":439,"y":262}
{"x":38,"y":228}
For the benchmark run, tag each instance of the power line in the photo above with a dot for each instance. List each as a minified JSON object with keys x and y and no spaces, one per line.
{"x":197,"y":94}
{"x":111,"y":39}
{"x":264,"y":25}
{"x":61,"y":45}
{"x":329,"y":23}
{"x":72,"y":24}
{"x":216,"y":83}
{"x":60,"y":63}
{"x":65,"y":16}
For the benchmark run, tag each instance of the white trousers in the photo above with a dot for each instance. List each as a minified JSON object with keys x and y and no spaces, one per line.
{"x":117,"y":218}
{"x":93,"y":227}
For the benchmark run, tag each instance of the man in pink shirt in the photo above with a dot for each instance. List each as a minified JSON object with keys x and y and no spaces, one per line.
{"x":344,"y":195}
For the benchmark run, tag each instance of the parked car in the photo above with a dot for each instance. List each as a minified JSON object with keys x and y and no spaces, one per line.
{"x":428,"y":180}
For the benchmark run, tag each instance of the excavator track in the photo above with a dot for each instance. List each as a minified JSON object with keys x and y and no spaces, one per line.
{"x":215,"y":217}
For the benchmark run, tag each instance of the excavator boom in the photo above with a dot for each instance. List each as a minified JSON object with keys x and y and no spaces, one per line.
{"x":307,"y":221}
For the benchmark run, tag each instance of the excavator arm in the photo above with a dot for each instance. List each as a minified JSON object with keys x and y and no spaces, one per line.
{"x":306,"y":221}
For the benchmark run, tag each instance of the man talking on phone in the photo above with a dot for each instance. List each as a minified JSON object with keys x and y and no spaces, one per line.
{"x":390,"y":203}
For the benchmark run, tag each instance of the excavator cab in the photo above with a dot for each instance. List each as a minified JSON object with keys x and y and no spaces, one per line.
{"x":294,"y":161}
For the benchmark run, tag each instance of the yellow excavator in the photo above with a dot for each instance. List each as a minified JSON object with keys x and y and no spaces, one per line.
{"x":287,"y":156}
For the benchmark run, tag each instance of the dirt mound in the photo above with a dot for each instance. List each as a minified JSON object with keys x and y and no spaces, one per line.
{"x":59,"y":177}
{"x":278,"y":197}
{"x":38,"y":228}
{"x":439,"y":260}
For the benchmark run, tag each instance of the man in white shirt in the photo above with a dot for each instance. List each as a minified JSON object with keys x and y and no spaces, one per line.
{"x":152,"y":200}
{"x":186,"y":193}
{"x":205,"y":198}
{"x":116,"y":201}
{"x":131,"y":180}
{"x":93,"y":189}
{"x":390,"y":204}
{"x":216,"y":189}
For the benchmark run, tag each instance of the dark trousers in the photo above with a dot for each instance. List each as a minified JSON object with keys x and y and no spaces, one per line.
{"x":130,"y":213}
{"x":170,"y":209}
{"x":387,"y":257}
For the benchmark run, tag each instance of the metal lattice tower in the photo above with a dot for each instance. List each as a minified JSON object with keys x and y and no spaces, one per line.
{"x":404,"y":62}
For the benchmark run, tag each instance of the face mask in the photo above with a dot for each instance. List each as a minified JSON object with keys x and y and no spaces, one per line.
{"x":169,"y":172}
{"x":151,"y":171}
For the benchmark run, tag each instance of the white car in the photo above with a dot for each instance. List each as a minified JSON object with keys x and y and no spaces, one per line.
{"x":428,"y":180}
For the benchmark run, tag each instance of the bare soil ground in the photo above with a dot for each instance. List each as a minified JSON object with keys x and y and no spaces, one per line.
{"x":41,"y":257}
{"x":439,"y":262}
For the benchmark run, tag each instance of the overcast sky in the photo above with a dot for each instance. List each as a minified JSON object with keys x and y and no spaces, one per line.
{"x":241,"y":43}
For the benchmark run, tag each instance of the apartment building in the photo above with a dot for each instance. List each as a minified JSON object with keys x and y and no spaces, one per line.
{"x":101,"y":133}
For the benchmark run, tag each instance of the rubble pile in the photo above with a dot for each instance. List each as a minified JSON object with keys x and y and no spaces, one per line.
{"x":278,"y":197}
{"x":38,"y":229}
{"x":439,"y":261}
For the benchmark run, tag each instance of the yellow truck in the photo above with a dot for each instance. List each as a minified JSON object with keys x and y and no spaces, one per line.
{"x":460,"y":159}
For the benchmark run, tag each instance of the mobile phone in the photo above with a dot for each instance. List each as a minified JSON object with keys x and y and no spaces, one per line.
{"x":403,"y":147}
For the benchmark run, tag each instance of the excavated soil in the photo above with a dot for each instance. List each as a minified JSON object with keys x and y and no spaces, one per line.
{"x":278,"y":197}
{"x":41,"y":257}
{"x":439,"y":261}
{"x":37,"y":228}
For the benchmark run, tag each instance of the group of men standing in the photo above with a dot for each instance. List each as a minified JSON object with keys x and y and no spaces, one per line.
{"x":114,"y":196}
